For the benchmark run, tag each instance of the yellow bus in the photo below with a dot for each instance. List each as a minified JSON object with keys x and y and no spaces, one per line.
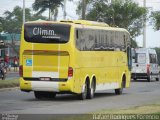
{"x":79,"y":57}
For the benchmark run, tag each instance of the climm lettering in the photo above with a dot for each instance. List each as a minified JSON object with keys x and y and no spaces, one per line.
{"x":42,"y":32}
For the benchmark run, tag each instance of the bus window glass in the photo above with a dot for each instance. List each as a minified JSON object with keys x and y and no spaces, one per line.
{"x":100,"y":40}
{"x":46,"y":33}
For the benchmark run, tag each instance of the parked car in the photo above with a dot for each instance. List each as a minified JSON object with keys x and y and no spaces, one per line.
{"x":145,"y":64}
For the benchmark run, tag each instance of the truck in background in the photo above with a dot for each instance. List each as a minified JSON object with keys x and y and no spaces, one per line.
{"x":145,"y":64}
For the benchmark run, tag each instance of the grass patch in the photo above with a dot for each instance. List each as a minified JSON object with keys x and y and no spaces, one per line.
{"x":143,"y":111}
{"x":9,"y":83}
{"x":146,"y":109}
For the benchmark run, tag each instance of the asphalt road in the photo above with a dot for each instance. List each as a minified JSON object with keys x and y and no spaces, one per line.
{"x":139,"y":93}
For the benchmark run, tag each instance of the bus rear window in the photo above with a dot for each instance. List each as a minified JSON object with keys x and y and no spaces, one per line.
{"x":46,"y":33}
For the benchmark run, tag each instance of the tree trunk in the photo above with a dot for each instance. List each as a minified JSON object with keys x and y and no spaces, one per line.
{"x":55,"y":14}
{"x":49,"y":14}
{"x":84,"y":9}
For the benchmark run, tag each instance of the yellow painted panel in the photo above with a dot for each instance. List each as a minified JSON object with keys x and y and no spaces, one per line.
{"x":25,"y":85}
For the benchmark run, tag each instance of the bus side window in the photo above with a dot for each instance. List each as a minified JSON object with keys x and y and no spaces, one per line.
{"x":109,"y":38}
{"x":106,"y":39}
{"x":117,"y":41}
{"x":129,"y":56}
{"x":77,"y":35}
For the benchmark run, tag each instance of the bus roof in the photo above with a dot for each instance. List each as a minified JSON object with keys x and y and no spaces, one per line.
{"x":86,"y":22}
{"x":81,"y":22}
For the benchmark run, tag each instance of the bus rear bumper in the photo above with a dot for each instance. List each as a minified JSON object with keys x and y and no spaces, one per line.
{"x":50,"y":86}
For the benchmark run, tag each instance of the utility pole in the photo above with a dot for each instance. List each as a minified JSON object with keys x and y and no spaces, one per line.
{"x":23,"y":11}
{"x":83,"y":9}
{"x":64,"y":12}
{"x":144,"y":26}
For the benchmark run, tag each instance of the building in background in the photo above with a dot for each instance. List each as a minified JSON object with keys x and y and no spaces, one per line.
{"x":9,"y":45}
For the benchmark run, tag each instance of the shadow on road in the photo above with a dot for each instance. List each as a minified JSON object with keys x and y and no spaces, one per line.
{"x":101,"y":95}
{"x":73,"y":97}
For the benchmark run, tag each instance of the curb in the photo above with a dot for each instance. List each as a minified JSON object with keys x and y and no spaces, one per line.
{"x":9,"y":89}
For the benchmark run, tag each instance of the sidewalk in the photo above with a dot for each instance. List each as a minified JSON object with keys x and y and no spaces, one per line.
{"x":11,"y":70}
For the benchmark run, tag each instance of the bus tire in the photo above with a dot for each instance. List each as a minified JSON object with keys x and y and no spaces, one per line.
{"x":91,"y":90}
{"x":119,"y":91}
{"x":38,"y":95}
{"x":44,"y":95}
{"x":83,"y":95}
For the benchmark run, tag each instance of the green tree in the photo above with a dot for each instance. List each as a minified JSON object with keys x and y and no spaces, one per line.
{"x":133,"y":44}
{"x":83,"y":7}
{"x":156,"y":20}
{"x":12,"y":22}
{"x":121,"y":13}
{"x":43,"y":5}
{"x":158,"y":54}
{"x":1,"y":28}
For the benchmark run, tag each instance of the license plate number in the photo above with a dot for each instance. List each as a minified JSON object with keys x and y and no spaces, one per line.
{"x":44,"y":78}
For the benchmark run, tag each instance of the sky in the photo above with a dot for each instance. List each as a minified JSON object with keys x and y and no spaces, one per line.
{"x":153,"y":37}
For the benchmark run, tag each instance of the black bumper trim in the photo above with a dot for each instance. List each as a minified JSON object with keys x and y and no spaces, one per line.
{"x":51,"y":79}
{"x":139,"y":75}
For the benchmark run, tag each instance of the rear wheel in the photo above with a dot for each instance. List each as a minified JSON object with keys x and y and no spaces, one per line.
{"x":44,"y":95}
{"x":83,"y":95}
{"x":91,"y":90}
{"x":119,"y":91}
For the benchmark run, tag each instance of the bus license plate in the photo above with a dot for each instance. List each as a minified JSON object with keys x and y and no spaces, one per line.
{"x":44,"y":78}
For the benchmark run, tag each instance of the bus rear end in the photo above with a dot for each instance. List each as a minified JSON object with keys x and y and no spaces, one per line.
{"x":44,"y":58}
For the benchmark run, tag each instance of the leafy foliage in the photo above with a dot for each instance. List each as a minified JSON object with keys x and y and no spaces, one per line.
{"x":86,"y":7}
{"x":156,"y":20}
{"x":43,"y":5}
{"x":12,"y":22}
{"x":134,"y":44}
{"x":121,"y":13}
{"x":1,"y":24}
{"x":158,"y":54}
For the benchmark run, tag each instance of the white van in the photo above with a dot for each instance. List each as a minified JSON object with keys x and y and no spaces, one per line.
{"x":145,"y":64}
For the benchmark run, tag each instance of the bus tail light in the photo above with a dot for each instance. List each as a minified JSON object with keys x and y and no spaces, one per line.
{"x":21,"y":70}
{"x":70,"y":72}
{"x":148,"y":68}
